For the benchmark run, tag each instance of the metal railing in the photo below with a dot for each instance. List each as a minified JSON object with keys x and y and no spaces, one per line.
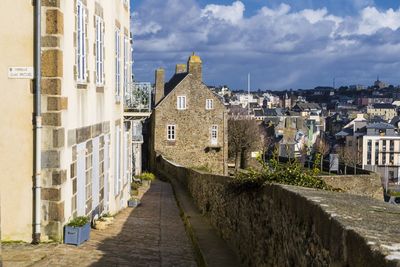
{"x":138,"y":97}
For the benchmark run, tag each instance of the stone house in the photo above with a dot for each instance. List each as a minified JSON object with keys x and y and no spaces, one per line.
{"x":189,"y":122}
{"x":83,"y":153}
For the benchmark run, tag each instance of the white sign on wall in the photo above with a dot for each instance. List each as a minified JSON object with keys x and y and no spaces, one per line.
{"x":20,"y":72}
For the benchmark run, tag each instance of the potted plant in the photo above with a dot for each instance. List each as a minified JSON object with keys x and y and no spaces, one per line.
{"x":133,"y":202}
{"x":146,"y":178}
{"x":135,"y":188}
{"x":77,"y":231}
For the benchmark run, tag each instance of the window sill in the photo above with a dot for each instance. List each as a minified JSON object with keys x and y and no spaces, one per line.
{"x":81,"y":85}
{"x":100,"y":89}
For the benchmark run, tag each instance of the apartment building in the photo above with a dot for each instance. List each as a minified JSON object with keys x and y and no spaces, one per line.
{"x":383,"y":110}
{"x":80,"y":165}
{"x":381,"y":151}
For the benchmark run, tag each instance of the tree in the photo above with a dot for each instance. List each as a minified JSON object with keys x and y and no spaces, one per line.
{"x":350,"y":157}
{"x":243,"y":136}
{"x":322,"y":147}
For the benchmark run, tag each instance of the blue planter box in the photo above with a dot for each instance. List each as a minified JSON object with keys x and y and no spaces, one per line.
{"x":76,"y":235}
{"x":133,"y":203}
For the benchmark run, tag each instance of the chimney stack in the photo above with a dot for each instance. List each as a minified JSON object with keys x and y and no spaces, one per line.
{"x":195,"y":67}
{"x":159,"y":94}
{"x":180,"y":68}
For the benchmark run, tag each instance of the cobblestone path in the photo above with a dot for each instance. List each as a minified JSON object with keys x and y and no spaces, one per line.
{"x":153,"y":234}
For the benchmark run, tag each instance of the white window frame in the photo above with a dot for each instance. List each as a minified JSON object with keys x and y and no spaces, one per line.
{"x":81,"y":60}
{"x":214,"y":134}
{"x":99,"y":51}
{"x":126,"y":63}
{"x":181,"y":102}
{"x":171,"y":132}
{"x":117,"y":162}
{"x":209,"y":104}
{"x":117,"y":64}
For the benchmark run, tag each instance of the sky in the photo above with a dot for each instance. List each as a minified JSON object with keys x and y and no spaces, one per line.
{"x":288,"y":44}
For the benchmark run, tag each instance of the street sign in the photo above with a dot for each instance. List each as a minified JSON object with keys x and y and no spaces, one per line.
{"x":333,"y":162}
{"x":20,"y":72}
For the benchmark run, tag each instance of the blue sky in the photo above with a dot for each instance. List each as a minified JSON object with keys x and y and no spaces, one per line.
{"x":290,"y":44}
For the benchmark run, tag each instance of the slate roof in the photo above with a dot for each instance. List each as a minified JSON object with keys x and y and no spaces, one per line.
{"x":173,"y":82}
{"x":383,"y":106}
{"x":258,"y":112}
{"x":307,"y":106}
{"x":270,"y":112}
{"x":380,"y":125}
{"x":395,"y":120}
{"x":345,"y":132}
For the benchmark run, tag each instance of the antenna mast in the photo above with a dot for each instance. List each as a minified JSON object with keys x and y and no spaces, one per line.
{"x":248,"y":94}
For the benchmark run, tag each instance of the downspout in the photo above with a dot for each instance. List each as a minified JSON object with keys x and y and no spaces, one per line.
{"x":38,"y":122}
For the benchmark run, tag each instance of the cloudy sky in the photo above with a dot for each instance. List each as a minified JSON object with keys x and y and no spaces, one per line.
{"x":283,"y":44}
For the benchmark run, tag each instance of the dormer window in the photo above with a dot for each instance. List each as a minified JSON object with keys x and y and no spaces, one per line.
{"x":209,"y":104}
{"x":181,"y":102}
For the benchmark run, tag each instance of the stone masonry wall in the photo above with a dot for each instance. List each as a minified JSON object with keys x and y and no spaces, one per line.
{"x":282,"y":225}
{"x":192,"y":147}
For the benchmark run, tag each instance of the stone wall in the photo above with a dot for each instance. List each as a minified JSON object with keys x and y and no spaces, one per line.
{"x":281,"y":225}
{"x":363,"y":185}
{"x":192,"y":146}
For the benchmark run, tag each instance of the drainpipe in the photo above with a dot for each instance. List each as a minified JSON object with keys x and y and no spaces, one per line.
{"x":38,"y":122}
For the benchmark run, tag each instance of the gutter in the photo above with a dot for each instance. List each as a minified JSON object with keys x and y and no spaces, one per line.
{"x":38,"y":123}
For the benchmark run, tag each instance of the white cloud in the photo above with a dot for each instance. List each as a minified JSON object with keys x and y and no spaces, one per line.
{"x":232,"y":14}
{"x":278,"y":42}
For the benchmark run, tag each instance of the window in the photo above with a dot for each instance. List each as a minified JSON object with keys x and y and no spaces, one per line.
{"x":99,"y":51}
{"x":209,"y":104}
{"x":117,"y":64}
{"x":181,"y":102}
{"x":81,"y":43}
{"x":369,"y":149}
{"x":391,"y":145}
{"x":376,"y":153}
{"x":126,"y":63}
{"x":384,"y":146}
{"x":117,"y":158}
{"x":214,"y":134}
{"x":171,"y":135}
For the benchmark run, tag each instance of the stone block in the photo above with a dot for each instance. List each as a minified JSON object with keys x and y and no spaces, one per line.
{"x":52,"y":63}
{"x":106,"y":127}
{"x":71,"y":137}
{"x":59,"y":177}
{"x":58,"y":137}
{"x":54,"y":21}
{"x":50,"y":159}
{"x":50,"y":41}
{"x":56,"y":211}
{"x":83,"y":134}
{"x":57,"y":103}
{"x":54,"y":230}
{"x":51,"y":3}
{"x":51,"y":86}
{"x":51,"y":194}
{"x":97,"y":130}
{"x":51,"y":119}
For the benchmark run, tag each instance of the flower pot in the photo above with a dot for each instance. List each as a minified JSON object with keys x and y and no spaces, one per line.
{"x":146,"y":183}
{"x":134,"y":202}
{"x":76,"y":235}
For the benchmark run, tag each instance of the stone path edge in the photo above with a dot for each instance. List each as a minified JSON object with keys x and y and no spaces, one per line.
{"x":199,"y":257}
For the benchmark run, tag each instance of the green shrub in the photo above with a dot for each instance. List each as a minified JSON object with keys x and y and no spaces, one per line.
{"x":146,"y":176}
{"x":79,"y":221}
{"x":135,"y":185}
{"x":290,"y":173}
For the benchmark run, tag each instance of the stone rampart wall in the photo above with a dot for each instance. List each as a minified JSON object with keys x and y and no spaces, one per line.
{"x":281,"y":225}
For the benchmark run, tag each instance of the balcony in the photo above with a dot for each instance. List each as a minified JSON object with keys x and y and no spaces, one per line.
{"x":137,"y":100}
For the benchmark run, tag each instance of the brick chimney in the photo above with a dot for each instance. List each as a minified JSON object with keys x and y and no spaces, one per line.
{"x":159,"y":94}
{"x":195,"y":67}
{"x":180,"y":68}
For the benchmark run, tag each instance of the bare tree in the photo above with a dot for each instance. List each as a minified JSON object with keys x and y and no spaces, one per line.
{"x":243,"y":136}
{"x":322,"y":147}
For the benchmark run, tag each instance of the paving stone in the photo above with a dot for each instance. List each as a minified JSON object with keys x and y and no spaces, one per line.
{"x":152,"y":234}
